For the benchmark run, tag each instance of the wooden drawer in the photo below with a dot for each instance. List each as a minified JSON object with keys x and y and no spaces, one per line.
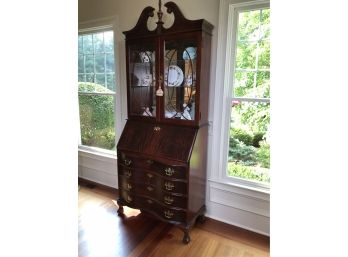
{"x":171,"y":186}
{"x":167,"y":213}
{"x":174,"y":201}
{"x":132,"y":174}
{"x":170,"y":171}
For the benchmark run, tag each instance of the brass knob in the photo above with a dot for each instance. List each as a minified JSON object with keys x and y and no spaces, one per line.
{"x":160,"y":79}
{"x":129,"y":186}
{"x":168,"y":200}
{"x":156,"y":128}
{"x":169,"y":185}
{"x":149,"y":188}
{"x":127,"y":162}
{"x":149,"y":175}
{"x":169,"y":171}
{"x":168,"y":214}
{"x":149,"y":161}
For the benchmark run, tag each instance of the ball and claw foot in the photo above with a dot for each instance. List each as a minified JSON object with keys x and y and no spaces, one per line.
{"x":120,"y":211}
{"x":201,"y":219}
{"x":186,"y":239}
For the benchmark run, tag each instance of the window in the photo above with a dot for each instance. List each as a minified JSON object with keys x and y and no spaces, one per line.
{"x":244,"y":76}
{"x":249,"y":149}
{"x":96,"y":89}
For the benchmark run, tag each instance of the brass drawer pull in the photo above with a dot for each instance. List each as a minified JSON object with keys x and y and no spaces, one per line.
{"x":168,"y":214}
{"x":149,"y":175}
{"x":169,"y":171}
{"x":169,"y":186}
{"x":168,"y":200}
{"x":149,"y":201}
{"x":129,"y":186}
{"x":149,"y":161}
{"x":156,"y":128}
{"x":129,"y":199}
{"x":128,"y":173}
{"x":127,"y":162}
{"x":149,"y":188}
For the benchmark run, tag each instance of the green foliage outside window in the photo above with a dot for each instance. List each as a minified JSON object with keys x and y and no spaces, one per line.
{"x":96,"y":116}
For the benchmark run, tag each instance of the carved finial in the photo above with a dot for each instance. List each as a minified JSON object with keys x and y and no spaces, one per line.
{"x":160,"y":14}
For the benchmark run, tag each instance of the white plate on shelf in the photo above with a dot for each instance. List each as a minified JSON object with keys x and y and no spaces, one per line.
{"x":189,"y":53}
{"x":173,"y":76}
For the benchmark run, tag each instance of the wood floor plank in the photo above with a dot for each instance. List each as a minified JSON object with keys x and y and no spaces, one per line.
{"x":102,"y":233}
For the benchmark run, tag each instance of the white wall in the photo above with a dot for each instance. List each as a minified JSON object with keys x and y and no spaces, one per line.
{"x":229,"y":203}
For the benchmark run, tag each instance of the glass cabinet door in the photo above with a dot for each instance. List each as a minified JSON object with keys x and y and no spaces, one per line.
{"x":141,"y":79}
{"x":180,"y":58}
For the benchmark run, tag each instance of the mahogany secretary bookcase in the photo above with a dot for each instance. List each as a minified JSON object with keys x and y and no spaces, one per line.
{"x":162,"y":152}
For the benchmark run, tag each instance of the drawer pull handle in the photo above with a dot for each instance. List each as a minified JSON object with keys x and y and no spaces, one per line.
{"x":149,"y":161}
{"x":168,"y":200}
{"x":149,"y":188}
{"x":149,"y":201}
{"x":128,"y":173}
{"x":149,"y":175}
{"x":169,"y":186}
{"x":156,"y":128}
{"x":169,"y":171}
{"x":168,"y":214}
{"x":127,"y":162}
{"x":129,"y":186}
{"x":129,"y":199}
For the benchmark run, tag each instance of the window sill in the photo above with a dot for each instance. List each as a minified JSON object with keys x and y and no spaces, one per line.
{"x":97,"y":153}
{"x":241,"y":188}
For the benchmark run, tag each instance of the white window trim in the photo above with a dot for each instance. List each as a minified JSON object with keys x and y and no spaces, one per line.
{"x":99,"y":25}
{"x":226,"y":47}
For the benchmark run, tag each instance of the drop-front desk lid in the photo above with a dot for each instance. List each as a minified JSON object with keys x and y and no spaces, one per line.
{"x":163,"y":141}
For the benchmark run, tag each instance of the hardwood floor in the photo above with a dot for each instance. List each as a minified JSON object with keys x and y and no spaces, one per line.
{"x":102,"y":233}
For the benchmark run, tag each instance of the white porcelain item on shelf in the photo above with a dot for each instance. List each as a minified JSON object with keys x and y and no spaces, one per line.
{"x":145,"y":56}
{"x":189,"y":53}
{"x":146,"y":80}
{"x":173,"y":76}
{"x":147,"y":112}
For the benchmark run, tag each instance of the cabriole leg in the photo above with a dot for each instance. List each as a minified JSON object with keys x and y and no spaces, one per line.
{"x":186,"y":239}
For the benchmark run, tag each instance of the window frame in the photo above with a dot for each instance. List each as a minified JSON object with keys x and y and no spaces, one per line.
{"x":91,"y":27}
{"x":226,"y":52}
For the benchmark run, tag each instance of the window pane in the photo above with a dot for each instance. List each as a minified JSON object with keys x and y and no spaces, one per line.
{"x":98,"y":42}
{"x":100,"y":63}
{"x":81,"y":64}
{"x":80,"y":45}
{"x":90,"y":78}
{"x":100,"y":79}
{"x":110,"y":80}
{"x":97,"y":121}
{"x":246,"y":55}
{"x":244,"y":84}
{"x":263,"y":84}
{"x":89,"y":63}
{"x":248,"y":25}
{"x":264,"y":55}
{"x":109,"y":41}
{"x":87,"y":44}
{"x":249,"y":149}
{"x":81,"y":78}
{"x":265,"y":23}
{"x":110,"y":63}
